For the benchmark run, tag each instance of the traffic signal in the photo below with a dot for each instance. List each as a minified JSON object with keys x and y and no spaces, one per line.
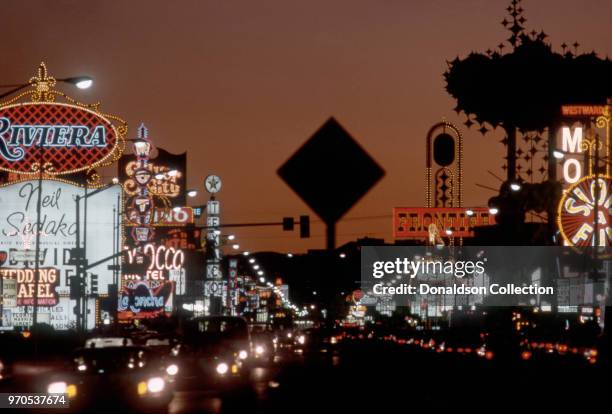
{"x":288,"y":223}
{"x":304,"y":227}
{"x":76,"y":256}
{"x":76,"y":287}
{"x":109,"y":304}
{"x":94,"y":284}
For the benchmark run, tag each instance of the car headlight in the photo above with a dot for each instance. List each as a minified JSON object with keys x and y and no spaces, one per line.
{"x":172,"y":369}
{"x":57,"y":387}
{"x":60,"y":387}
{"x":155,"y":384}
{"x":259,"y":350}
{"x":222,"y":368}
{"x":243,"y":354}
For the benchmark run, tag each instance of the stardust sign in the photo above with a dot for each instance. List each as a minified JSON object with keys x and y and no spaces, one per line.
{"x":585,"y":213}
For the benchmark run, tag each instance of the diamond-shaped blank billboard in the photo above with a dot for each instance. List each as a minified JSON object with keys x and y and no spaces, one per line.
{"x":331,"y":172}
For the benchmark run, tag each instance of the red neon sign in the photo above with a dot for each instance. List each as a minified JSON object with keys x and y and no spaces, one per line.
{"x":415,"y":221}
{"x":73,"y":138}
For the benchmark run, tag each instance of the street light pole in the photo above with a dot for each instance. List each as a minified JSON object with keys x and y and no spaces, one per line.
{"x":81,"y":82}
{"x":38,"y":230}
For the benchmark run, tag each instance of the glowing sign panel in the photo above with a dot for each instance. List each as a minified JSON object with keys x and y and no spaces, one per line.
{"x":72,"y":138}
{"x":145,"y":299}
{"x":414,"y":222}
{"x":571,"y":143}
{"x":48,"y":280}
{"x":576,"y":215}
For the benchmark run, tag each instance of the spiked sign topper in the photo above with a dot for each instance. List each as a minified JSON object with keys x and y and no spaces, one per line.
{"x":67,"y":136}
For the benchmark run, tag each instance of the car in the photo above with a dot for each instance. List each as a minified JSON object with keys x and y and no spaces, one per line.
{"x":108,"y":341}
{"x":113,"y":376}
{"x":264,"y":349}
{"x":166,"y":351}
{"x":214,"y":353}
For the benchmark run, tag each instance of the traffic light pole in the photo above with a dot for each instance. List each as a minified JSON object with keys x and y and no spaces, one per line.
{"x":79,"y":264}
{"x":81,"y":259}
{"x":304,"y":225}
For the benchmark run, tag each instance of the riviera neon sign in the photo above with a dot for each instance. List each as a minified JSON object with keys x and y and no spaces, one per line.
{"x":73,"y":136}
{"x":20,"y":136}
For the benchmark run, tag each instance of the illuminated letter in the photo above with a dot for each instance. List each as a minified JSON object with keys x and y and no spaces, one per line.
{"x":78,"y":137}
{"x":98,"y":137}
{"x":570,"y":207}
{"x":582,"y":234}
{"x":577,"y":170}
{"x":572,"y":143}
{"x":15,"y":154}
{"x":59,"y":136}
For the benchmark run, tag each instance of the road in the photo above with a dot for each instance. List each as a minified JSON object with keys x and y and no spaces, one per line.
{"x":380,"y":378}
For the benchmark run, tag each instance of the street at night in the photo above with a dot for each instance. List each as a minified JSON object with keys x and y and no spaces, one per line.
{"x":324,"y":206}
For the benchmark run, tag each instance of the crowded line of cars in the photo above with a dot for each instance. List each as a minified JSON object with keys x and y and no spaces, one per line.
{"x":141,"y":370}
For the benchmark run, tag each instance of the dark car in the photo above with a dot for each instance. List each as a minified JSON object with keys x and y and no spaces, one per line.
{"x":213,"y":353}
{"x":264,"y":349}
{"x":165,"y":352}
{"x":116,"y":376}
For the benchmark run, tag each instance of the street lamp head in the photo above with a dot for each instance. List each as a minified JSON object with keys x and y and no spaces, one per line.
{"x":81,"y":82}
{"x":558,"y":154}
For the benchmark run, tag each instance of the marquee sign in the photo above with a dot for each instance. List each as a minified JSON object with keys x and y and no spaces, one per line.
{"x":26,"y":285}
{"x":57,"y":229}
{"x":154,"y":262}
{"x":577,"y":213}
{"x":414,"y":222}
{"x":145,"y":299}
{"x":67,"y":137}
{"x":582,"y":111}
{"x":170,"y":188}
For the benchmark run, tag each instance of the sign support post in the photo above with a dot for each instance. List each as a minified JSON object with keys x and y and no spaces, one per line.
{"x":213,"y":284}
